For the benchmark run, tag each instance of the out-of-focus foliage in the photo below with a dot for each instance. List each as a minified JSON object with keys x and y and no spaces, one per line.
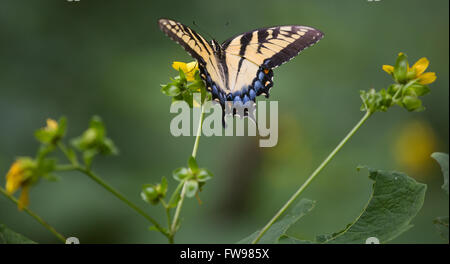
{"x":108,"y":58}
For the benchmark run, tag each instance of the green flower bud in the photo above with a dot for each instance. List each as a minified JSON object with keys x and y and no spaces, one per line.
{"x":401,"y":68}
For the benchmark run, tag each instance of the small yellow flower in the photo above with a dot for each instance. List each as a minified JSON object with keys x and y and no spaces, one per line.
{"x":24,"y":199}
{"x":189,"y":69}
{"x":427,"y":78}
{"x":419,"y":68}
{"x":417,"y":71}
{"x":52,"y":125}
{"x":388,"y":68}
{"x":18,"y":177}
{"x":14,"y":178}
{"x":414,"y":143}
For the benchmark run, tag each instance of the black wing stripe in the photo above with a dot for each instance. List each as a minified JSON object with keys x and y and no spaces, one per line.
{"x":171,"y":31}
{"x":200,"y":39}
{"x":308,"y":39}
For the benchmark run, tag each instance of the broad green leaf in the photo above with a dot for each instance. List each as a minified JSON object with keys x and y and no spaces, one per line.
{"x":7,"y":236}
{"x":441,"y":224}
{"x":395,"y":201}
{"x":286,"y":239}
{"x":279,"y":228}
{"x":442,"y":159}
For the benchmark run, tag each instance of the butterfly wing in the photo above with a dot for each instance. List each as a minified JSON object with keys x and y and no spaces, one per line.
{"x":271,"y":47}
{"x":254,"y":54}
{"x":192,"y":42}
{"x":212,"y":71}
{"x":244,"y":69}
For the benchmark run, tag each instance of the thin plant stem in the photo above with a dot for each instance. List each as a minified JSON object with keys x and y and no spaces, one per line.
{"x":199,"y":132}
{"x":116,"y":193}
{"x":183,"y":190}
{"x":74,"y":166}
{"x":178,"y":210}
{"x":311,"y":177}
{"x":35,"y":216}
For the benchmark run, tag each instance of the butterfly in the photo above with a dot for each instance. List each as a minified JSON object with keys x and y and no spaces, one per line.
{"x":240,"y":69}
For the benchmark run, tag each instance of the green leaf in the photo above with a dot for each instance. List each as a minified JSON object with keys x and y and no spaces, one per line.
{"x":412,"y":103}
{"x":182,"y":77}
{"x":395,"y":201}
{"x":7,"y":236}
{"x":181,"y":174}
{"x":71,"y":155}
{"x":88,"y":156}
{"x":188,"y":98}
{"x":193,"y":164}
{"x":286,"y":239}
{"x":204,"y":175}
{"x":175,"y":197}
{"x":170,"y":90}
{"x":191,"y":188}
{"x":441,"y":224}
{"x":108,"y":147}
{"x":442,"y":159}
{"x":164,"y":185}
{"x":279,"y":228}
{"x":417,"y":89}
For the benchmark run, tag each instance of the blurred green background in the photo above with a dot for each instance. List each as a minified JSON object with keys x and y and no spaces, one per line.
{"x":108,"y":58}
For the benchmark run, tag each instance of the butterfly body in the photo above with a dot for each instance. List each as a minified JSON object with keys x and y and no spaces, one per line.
{"x":240,"y":69}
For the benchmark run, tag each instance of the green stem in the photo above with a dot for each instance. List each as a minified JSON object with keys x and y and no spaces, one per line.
{"x":65,"y":167}
{"x":311,"y":177}
{"x":122,"y":198}
{"x":74,"y":166}
{"x":199,"y":133}
{"x":173,"y":227}
{"x":35,"y":216}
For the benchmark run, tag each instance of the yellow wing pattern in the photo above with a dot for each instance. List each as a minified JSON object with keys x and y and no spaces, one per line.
{"x":241,"y":68}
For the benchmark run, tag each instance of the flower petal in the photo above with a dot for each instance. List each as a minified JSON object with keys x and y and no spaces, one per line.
{"x":427,"y":78}
{"x":420,"y":66}
{"x":177,"y":65}
{"x":388,"y":68}
{"x":14,"y":177}
{"x":191,"y":66}
{"x":24,"y":197}
{"x":52,"y":125}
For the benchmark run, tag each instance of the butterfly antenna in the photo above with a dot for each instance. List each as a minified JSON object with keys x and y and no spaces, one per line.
{"x":203,"y":31}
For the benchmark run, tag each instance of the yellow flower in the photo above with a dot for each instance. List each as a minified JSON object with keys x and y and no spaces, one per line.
{"x":419,"y":68}
{"x":14,"y":178}
{"x":24,"y":197}
{"x":189,"y":69}
{"x":388,"y":68}
{"x":417,"y":71}
{"x":18,"y":177}
{"x":52,"y":125}
{"x":414,"y":143}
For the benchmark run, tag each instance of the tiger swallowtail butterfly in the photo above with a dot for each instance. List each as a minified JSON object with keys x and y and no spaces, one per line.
{"x":240,"y":69}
